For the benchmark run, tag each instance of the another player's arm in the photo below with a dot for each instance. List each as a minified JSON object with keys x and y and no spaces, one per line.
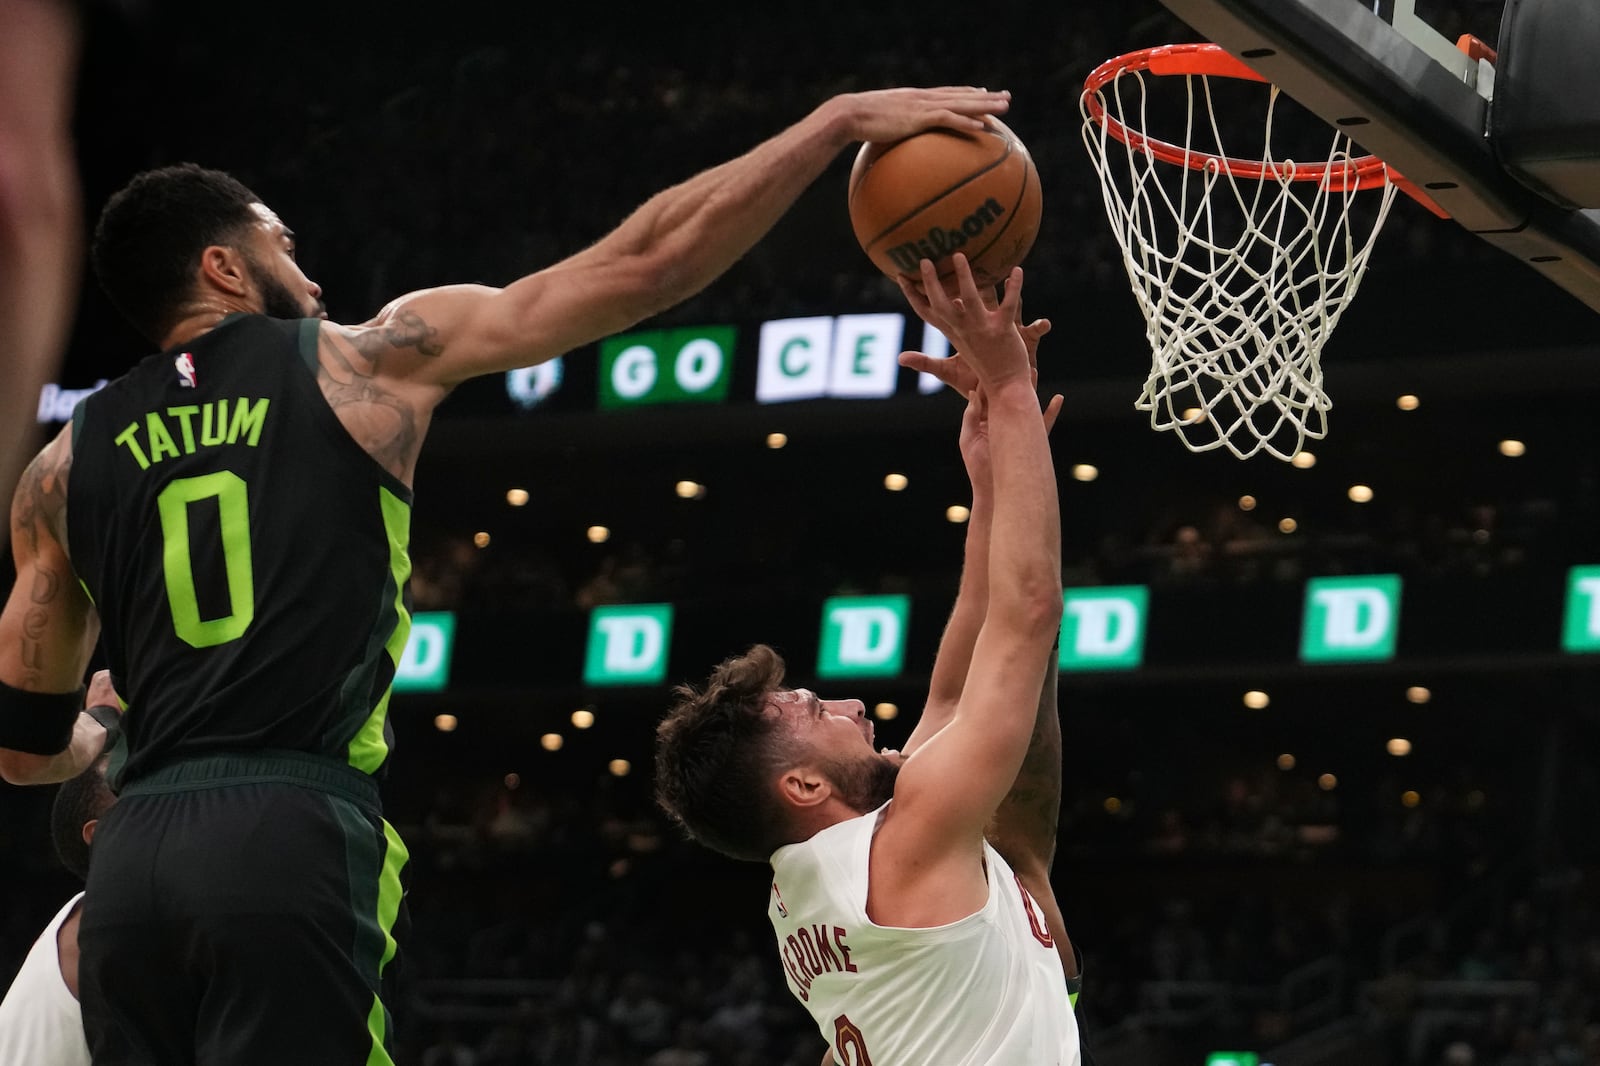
{"x":39,"y":225}
{"x":949,"y":790}
{"x":671,"y":247}
{"x":48,"y":631}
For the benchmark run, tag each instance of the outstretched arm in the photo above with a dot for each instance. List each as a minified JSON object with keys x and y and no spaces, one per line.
{"x":48,"y":628}
{"x":948,"y":790}
{"x":954,"y":657}
{"x":38,"y":210}
{"x":674,"y":245}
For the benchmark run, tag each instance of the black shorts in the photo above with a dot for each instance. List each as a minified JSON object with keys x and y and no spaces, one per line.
{"x":243,"y":910}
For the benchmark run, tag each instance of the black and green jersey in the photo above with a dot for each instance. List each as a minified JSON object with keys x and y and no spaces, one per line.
{"x":247,"y":557}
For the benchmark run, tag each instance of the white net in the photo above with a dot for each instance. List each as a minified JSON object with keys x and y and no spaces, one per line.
{"x":1241,"y":279}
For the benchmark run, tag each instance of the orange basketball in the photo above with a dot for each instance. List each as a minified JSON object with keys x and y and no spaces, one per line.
{"x":945,"y":191}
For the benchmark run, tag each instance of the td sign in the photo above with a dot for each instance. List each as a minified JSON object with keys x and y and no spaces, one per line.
{"x":628,"y":645}
{"x":863,"y":636}
{"x":1103,"y":628}
{"x":424,"y":666}
{"x":1351,"y":619}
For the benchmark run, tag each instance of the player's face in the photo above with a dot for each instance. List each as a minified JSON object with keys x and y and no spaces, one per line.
{"x":832,"y":726}
{"x":838,"y":735}
{"x":285,"y":290}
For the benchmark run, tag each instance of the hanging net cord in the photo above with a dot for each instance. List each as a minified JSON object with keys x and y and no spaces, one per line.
{"x":1241,"y":279}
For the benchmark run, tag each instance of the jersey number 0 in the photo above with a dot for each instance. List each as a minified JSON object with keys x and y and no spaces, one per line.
{"x":233,"y":519}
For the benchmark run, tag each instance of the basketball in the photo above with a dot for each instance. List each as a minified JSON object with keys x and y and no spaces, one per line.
{"x":945,"y":191}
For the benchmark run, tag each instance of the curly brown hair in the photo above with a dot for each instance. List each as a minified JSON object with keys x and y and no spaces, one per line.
{"x":716,"y":753}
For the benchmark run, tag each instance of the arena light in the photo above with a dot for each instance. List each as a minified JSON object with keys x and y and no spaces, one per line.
{"x":1418,"y":694}
{"x":1247,"y":503}
{"x":551,"y":741}
{"x":1360,"y":493}
{"x":481,"y":539}
{"x":513,"y":781}
{"x":690,"y":490}
{"x":957,"y":514}
{"x":517,"y":497}
{"x":1304,"y":460}
{"x":1513,"y":449}
{"x":1112,"y":805}
{"x":1327,"y":782}
{"x":777,"y":440}
{"x":619,"y":767}
{"x":1256,"y":700}
{"x":1407,"y":402}
{"x":445,"y":723}
{"x":597,"y":534}
{"x":1411,"y":797}
{"x":582,"y":718}
{"x":1085,"y":472}
{"x":885,"y":712}
{"x":1398,"y":747}
{"x":896,"y":482}
{"x":1287,"y":525}
{"x":1286,"y":761}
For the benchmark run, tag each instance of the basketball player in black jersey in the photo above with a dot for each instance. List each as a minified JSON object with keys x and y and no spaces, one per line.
{"x":231,"y":518}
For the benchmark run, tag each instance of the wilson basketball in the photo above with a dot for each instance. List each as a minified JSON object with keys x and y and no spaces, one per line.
{"x":946,"y":191}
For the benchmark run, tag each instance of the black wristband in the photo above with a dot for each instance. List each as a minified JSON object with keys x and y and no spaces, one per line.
{"x":108,"y":716}
{"x":39,"y":723}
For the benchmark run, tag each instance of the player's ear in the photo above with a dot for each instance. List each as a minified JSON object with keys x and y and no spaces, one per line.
{"x":803,"y":786}
{"x":88,"y":830}
{"x":226,"y":269}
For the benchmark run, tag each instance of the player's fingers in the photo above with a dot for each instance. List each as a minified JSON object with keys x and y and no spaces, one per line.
{"x":936,"y":296}
{"x":914,"y":294}
{"x":957,"y":121}
{"x":966,"y":284}
{"x":1013,"y":294}
{"x":1052,"y":411}
{"x":927,"y":364}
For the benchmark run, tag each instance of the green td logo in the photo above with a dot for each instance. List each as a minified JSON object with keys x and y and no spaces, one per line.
{"x":666,"y":366}
{"x":1351,"y":619}
{"x":1233,"y":1058}
{"x":628,"y":645}
{"x":863,"y":636}
{"x":1103,"y":628}
{"x":1581,"y":629}
{"x":425,"y":664}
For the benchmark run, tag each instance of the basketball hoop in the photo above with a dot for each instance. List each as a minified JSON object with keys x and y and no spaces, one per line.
{"x":1242,"y":267}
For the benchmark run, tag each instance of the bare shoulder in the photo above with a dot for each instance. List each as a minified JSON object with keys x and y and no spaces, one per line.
{"x":418,"y":324}
{"x":39,"y":505}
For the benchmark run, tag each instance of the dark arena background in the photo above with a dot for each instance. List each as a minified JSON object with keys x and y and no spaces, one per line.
{"x":1265,"y":856}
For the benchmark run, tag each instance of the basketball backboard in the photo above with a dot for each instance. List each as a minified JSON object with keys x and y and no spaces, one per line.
{"x":1391,"y":74}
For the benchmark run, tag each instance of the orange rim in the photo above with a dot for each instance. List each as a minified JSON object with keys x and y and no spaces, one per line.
{"x":1210,"y":60}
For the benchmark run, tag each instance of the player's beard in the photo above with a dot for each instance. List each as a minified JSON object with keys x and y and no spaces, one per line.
{"x":866,"y":783}
{"x":278,"y":302}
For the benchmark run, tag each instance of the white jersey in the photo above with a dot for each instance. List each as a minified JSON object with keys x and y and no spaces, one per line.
{"x":41,"y":1023}
{"x":987,"y":990}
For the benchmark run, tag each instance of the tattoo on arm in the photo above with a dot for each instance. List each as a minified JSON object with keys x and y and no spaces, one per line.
{"x":404,"y":329}
{"x":39,"y":523}
{"x":380,"y":419}
{"x":39,"y":507}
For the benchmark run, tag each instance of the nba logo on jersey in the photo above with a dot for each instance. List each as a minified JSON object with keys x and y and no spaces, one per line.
{"x":777,"y":898}
{"x":185,"y":365}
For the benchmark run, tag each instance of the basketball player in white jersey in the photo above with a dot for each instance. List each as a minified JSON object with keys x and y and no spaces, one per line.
{"x":41,"y":1023}
{"x":903,"y":932}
